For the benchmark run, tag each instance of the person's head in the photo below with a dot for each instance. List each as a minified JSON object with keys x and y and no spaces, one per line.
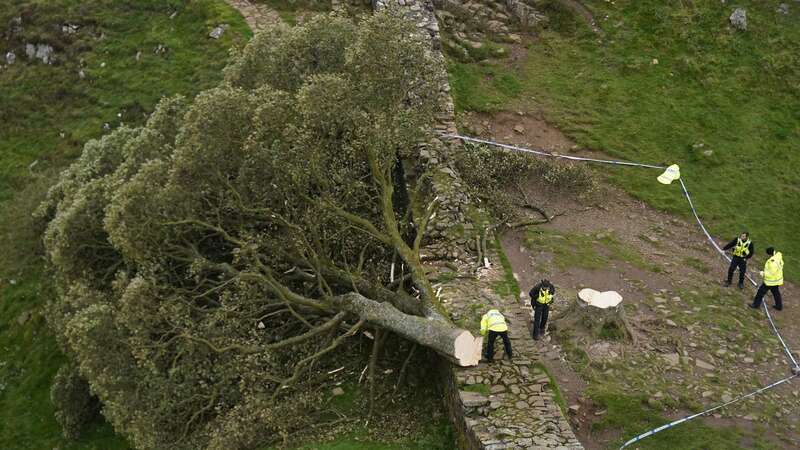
{"x":744,"y":235}
{"x":547,"y":284}
{"x":770,"y":251}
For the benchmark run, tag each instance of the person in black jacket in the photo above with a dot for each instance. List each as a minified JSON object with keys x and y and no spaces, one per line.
{"x":541,"y":297}
{"x":743,"y":250}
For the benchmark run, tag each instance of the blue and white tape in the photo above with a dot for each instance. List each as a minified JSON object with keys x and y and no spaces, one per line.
{"x":795,"y":366}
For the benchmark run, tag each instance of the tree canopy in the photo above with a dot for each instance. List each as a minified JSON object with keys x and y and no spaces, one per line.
{"x":210,"y":260}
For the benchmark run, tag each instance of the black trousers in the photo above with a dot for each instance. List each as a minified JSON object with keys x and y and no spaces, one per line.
{"x":540,"y":313}
{"x":776,"y":294}
{"x":490,"y":344}
{"x":739,"y":263}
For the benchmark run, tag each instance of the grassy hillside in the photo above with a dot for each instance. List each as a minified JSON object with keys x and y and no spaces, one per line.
{"x":47,"y":113}
{"x":667,"y":82}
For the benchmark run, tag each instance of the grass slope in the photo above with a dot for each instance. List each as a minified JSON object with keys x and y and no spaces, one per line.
{"x":736,"y":93}
{"x":40,"y":102}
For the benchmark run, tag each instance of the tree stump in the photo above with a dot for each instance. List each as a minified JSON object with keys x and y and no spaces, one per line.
{"x":600,"y":315}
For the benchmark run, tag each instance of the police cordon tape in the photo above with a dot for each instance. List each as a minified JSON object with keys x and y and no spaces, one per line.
{"x":708,"y":411}
{"x":551,"y":155}
{"x":795,"y":366}
{"x":752,"y":281}
{"x":648,"y":166}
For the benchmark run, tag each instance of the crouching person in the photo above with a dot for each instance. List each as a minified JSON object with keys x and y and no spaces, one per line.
{"x":494,"y":323}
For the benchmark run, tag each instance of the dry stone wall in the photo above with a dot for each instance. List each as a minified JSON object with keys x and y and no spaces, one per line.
{"x":509,"y":404}
{"x":436,"y":156}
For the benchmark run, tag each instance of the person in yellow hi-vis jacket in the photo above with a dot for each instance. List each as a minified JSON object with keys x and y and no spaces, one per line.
{"x":773,"y":279}
{"x":494,"y":322}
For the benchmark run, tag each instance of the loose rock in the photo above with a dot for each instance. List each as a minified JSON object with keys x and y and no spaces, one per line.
{"x":216,"y":33}
{"x":43,"y":52}
{"x":703,"y":365}
{"x":69,"y":28}
{"x":472,"y":399}
{"x":739,"y":19}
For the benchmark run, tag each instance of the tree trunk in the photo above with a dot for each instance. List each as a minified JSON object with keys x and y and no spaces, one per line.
{"x":456,"y":344}
{"x":600,"y":315}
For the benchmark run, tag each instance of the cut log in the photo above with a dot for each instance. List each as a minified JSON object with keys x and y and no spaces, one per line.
{"x":456,"y":344}
{"x":598,"y":314}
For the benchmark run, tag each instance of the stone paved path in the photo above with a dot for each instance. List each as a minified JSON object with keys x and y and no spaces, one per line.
{"x":520,"y":411}
{"x":257,"y":15}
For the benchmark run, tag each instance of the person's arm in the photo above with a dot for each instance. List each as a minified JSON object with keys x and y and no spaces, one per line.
{"x":534,"y":293}
{"x":752,"y":249}
{"x":730,"y":244}
{"x":483,"y":325}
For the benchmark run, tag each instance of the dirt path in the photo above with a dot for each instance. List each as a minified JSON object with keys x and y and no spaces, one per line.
{"x":666,"y":270}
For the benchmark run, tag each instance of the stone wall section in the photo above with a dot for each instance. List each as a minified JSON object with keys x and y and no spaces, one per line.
{"x":519,"y":411}
{"x":508,"y":404}
{"x":436,"y":156}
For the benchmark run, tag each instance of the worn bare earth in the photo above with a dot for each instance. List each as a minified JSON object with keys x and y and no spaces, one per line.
{"x":698,"y":343}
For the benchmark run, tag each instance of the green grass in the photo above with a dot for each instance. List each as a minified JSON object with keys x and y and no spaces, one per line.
{"x":480,"y":388}
{"x":587,"y":251}
{"x":631,"y":415}
{"x":696,"y":264}
{"x":557,"y":396}
{"x":508,"y":285}
{"x":483,"y":87}
{"x":41,"y":102}
{"x":734,"y":92}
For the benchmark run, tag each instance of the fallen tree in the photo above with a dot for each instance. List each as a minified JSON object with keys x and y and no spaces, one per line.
{"x":211,"y":260}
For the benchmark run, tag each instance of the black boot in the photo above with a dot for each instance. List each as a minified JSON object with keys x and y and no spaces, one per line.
{"x":741,"y":285}
{"x":727,"y":283}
